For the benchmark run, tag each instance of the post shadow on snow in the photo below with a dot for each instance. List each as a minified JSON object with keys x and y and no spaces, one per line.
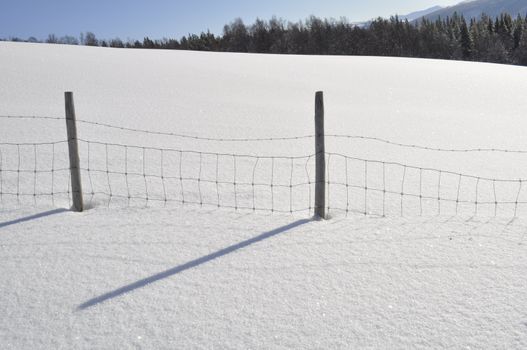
{"x":32,"y":217}
{"x":191,"y":264}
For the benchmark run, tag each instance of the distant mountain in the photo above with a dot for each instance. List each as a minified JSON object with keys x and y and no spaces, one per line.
{"x":410,"y":17}
{"x":418,"y":14}
{"x":474,"y":9}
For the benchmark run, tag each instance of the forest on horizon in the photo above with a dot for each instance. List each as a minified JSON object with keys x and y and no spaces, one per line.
{"x":498,"y":40}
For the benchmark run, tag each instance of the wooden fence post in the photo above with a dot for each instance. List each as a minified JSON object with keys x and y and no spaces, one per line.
{"x":320,"y":181}
{"x":73,"y":148}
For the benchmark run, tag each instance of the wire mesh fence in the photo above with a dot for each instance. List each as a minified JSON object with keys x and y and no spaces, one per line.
{"x":372,"y":187}
{"x":116,"y":174}
{"x":122,"y":175}
{"x":34,"y":173}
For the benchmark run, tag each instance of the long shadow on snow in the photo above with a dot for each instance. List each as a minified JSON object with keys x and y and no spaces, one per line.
{"x":191,"y":264}
{"x":32,"y":217}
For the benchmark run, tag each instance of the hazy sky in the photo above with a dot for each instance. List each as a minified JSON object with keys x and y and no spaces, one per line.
{"x":135,"y":19}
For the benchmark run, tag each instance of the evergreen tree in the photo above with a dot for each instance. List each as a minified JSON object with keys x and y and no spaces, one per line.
{"x":467,"y":45}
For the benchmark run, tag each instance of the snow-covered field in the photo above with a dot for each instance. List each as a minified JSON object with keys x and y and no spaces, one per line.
{"x":190,"y":277}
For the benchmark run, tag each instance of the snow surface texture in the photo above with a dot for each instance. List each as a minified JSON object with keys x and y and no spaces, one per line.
{"x":185,"y":276}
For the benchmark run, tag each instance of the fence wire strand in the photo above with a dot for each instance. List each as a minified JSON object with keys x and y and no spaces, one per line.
{"x":266,"y":139}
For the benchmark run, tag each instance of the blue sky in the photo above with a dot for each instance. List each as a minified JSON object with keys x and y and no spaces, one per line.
{"x":134,"y":19}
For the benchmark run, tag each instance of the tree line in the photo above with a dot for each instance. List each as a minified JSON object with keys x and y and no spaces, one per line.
{"x":500,"y":40}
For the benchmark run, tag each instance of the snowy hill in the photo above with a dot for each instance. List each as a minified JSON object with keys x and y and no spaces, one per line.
{"x":139,"y":274}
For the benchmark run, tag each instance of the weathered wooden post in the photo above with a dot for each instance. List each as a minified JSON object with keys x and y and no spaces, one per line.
{"x":320,"y":181}
{"x":73,"y":148}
